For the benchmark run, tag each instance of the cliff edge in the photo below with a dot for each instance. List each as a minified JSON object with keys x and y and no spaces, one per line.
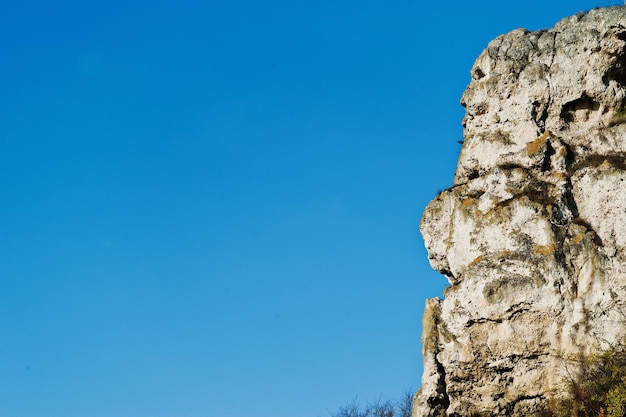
{"x":532,"y":235}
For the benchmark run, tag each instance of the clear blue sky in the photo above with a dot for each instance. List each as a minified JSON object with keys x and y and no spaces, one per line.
{"x":211,"y":209}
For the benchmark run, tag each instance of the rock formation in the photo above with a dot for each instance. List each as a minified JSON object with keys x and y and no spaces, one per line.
{"x":532,"y":235}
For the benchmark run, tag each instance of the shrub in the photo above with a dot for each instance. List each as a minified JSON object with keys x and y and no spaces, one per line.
{"x":618,"y":116}
{"x":598,"y":391}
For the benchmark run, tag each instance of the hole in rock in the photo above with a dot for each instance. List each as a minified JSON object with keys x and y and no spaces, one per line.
{"x":579,"y":110}
{"x":617,"y":72}
{"x":478,"y":73}
{"x":473,"y":175}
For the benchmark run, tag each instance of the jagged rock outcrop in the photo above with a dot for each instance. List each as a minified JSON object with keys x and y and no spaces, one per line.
{"x":532,"y":235}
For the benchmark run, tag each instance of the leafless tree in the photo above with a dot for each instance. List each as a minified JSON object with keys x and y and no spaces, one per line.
{"x":378,"y":408}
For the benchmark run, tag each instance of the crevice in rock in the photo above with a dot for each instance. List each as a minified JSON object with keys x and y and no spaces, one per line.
{"x":570,"y":157}
{"x":568,"y":198}
{"x":472,"y":322}
{"x":563,"y":213}
{"x":440,"y":402}
{"x":617,"y":160}
{"x":533,"y":356}
{"x":510,"y":407}
{"x":547,"y":160}
{"x":504,"y":370}
{"x":517,"y":309}
{"x":509,"y":166}
{"x":539,"y":113}
{"x":564,"y":210}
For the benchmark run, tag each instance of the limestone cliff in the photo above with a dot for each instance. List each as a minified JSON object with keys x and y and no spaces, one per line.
{"x":532,"y":235}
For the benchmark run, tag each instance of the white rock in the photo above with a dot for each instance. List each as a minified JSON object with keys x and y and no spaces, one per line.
{"x":532,"y":236}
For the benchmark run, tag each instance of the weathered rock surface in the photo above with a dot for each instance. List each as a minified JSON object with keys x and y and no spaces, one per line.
{"x":532,"y":235}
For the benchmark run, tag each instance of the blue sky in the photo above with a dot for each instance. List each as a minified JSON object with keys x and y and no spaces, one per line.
{"x":211,"y":208}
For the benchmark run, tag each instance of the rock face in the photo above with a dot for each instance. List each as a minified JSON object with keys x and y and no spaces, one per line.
{"x":532,"y":235}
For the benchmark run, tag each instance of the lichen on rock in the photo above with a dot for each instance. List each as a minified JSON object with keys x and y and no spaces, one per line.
{"x":532,"y":235}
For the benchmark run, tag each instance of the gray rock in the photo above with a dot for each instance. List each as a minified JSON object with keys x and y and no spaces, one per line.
{"x":532,"y":235}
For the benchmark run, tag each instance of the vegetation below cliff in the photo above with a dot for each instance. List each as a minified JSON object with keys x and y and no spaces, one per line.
{"x":378,"y":408}
{"x":598,"y":389}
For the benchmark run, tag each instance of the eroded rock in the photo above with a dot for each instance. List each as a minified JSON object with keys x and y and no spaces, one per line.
{"x":532,"y":235}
